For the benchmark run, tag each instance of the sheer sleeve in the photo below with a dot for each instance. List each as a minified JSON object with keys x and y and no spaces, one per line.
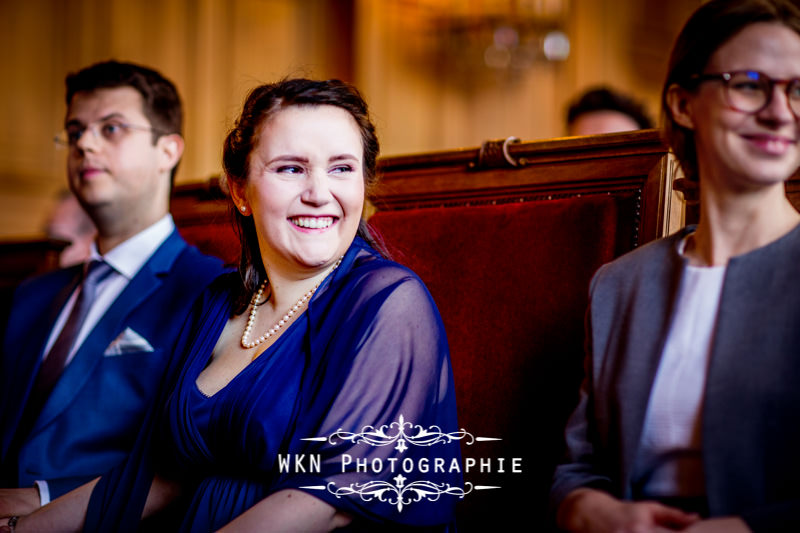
{"x":378,"y":395}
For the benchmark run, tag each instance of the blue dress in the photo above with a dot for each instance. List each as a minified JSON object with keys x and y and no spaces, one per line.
{"x":353,"y":404}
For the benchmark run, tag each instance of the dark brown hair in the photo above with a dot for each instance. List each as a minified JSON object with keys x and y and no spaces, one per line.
{"x":261,"y":104}
{"x":606,"y":99}
{"x":711,"y":26}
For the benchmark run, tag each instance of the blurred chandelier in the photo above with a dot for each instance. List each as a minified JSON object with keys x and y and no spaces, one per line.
{"x":471,"y":38}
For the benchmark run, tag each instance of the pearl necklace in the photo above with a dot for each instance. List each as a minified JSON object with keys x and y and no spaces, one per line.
{"x":283,"y":321}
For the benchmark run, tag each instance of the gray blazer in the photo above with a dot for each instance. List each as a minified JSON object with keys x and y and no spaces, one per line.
{"x":751,"y":411}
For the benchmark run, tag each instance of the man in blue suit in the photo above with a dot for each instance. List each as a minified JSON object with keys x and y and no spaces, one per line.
{"x":85,"y":347}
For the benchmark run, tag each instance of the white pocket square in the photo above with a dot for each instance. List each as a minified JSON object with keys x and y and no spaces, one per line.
{"x":128,"y":342}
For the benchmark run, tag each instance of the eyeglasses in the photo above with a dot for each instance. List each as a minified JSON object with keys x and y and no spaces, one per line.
{"x":750,"y":91}
{"x":112,"y":131}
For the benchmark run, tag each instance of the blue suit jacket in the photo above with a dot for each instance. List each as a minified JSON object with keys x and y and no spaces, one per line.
{"x":92,"y":417}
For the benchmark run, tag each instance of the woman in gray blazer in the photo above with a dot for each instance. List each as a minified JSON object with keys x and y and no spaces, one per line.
{"x":689,"y":416}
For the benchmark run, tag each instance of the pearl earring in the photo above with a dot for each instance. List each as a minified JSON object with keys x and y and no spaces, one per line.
{"x":243,"y":209}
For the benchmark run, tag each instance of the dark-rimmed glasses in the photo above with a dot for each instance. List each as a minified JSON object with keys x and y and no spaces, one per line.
{"x":111,"y":131}
{"x":750,"y":91}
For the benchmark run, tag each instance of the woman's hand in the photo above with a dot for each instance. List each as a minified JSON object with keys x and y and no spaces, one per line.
{"x":594,"y":511}
{"x":719,"y":525}
{"x":18,"y":501}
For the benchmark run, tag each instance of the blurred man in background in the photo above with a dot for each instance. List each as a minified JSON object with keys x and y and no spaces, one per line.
{"x":602,"y":110}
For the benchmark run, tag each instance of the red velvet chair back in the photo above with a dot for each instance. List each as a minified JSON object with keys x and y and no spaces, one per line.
{"x":508,"y":253}
{"x":202,"y":214}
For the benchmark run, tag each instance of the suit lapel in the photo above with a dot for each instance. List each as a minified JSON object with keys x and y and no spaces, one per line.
{"x":25,"y":355}
{"x":135,"y":295}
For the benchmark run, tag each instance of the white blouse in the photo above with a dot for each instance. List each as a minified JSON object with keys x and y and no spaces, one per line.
{"x":670,"y":453}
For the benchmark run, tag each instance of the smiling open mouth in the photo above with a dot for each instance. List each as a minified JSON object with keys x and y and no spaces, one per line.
{"x":313,"y":222}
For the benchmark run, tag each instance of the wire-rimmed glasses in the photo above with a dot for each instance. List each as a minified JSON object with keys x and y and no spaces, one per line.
{"x":111,"y":131}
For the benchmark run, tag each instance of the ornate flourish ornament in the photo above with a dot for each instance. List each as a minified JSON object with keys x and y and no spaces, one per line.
{"x":403,"y":433}
{"x":399,"y":494}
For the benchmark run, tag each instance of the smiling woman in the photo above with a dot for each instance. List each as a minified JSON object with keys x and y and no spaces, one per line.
{"x":338,"y":341}
{"x":688,"y":415}
{"x":345,"y":339}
